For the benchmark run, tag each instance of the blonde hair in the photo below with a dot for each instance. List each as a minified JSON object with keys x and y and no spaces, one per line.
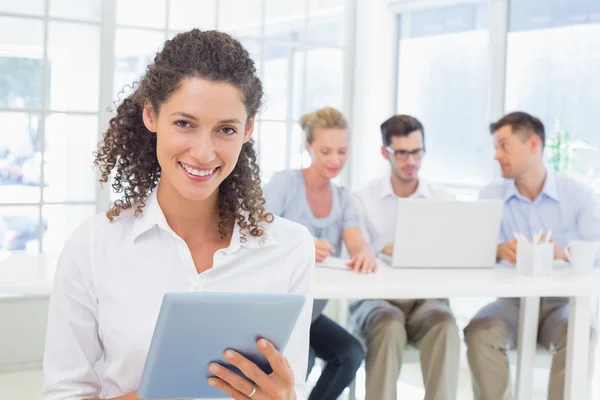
{"x":326,"y":117}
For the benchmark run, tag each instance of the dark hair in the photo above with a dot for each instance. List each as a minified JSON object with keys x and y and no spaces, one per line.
{"x":129,"y":148}
{"x":521,"y":123}
{"x":400,"y":125}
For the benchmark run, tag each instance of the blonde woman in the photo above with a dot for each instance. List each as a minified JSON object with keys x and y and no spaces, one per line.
{"x":309,"y":197}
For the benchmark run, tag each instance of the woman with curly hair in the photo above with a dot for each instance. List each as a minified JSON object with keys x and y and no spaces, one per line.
{"x":191,"y":217}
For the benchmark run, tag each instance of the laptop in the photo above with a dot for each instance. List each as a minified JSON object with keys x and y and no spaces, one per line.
{"x":432,"y":233}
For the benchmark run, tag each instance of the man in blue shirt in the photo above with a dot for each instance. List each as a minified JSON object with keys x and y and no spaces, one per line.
{"x":535,"y":198}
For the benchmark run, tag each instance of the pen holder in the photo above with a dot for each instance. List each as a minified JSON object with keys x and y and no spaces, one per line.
{"x":534,"y":259}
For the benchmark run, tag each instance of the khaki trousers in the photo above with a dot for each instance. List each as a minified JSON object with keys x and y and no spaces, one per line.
{"x":494,"y":330}
{"x":386,"y":326}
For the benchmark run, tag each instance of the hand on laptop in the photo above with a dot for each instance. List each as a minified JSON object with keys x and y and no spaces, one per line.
{"x":388,"y":249}
{"x":323,"y":249}
{"x":278,"y":385}
{"x":363,"y":261}
{"x":508,"y":251}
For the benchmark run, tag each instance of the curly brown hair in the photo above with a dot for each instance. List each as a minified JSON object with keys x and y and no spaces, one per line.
{"x":129,"y":148}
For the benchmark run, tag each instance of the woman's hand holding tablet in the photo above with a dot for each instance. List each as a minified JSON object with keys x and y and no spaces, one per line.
{"x":191,"y":338}
{"x":279,"y":385}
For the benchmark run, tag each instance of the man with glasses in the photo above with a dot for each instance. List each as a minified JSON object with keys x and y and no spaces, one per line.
{"x":388,"y":325}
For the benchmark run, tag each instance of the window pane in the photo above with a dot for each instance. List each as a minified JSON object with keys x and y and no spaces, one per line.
{"x":272,"y":148}
{"x":445,"y":20}
{"x":20,"y":158}
{"x":142,"y":13}
{"x":443,"y":81}
{"x":31,"y":7}
{"x":299,"y":90}
{"x":70,"y":142}
{"x":19,"y":229}
{"x":21,"y":62}
{"x":74,"y":65}
{"x":188,"y":14}
{"x":61,"y":222}
{"x":278,"y":79}
{"x":300,"y":157}
{"x":326,"y":22}
{"x":553,"y":72}
{"x":324,"y":79}
{"x":89,"y":10}
{"x":328,"y":31}
{"x":285,"y":19}
{"x":253,"y":47}
{"x":240,"y":18}
{"x":135,"y":49}
{"x":526,"y":15}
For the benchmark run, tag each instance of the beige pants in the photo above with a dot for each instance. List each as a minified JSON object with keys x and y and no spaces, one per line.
{"x":494,"y":330}
{"x":387,"y":325}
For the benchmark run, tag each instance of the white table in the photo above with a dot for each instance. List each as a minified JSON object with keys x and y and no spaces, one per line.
{"x":23,"y":275}
{"x":390,"y":283}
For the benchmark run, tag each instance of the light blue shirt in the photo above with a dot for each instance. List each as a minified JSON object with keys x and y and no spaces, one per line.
{"x":285,"y":196}
{"x":567,"y":207}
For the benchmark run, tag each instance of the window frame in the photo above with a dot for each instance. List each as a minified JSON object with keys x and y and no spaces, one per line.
{"x":497,"y":36}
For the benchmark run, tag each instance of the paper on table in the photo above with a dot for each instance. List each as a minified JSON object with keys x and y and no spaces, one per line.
{"x":335,"y":262}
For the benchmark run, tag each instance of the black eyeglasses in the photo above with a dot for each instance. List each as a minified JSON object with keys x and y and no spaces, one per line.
{"x":404,"y":154}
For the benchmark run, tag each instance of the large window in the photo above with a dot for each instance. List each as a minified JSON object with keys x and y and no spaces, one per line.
{"x":545,"y":60}
{"x":553,"y":72}
{"x":443,"y":81}
{"x":64,"y":64}
{"x":49,"y":91}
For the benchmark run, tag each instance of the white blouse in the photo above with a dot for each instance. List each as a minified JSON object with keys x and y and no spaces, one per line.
{"x":109,"y":285}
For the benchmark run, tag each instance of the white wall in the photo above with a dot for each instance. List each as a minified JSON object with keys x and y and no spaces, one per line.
{"x":373,"y":96}
{"x":22,"y":332}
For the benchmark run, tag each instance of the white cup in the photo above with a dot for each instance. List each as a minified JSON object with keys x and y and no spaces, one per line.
{"x":534,"y":259}
{"x":581,"y":255}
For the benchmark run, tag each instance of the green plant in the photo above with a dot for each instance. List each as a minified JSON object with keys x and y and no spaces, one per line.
{"x":559,"y":149}
{"x":570,"y":156}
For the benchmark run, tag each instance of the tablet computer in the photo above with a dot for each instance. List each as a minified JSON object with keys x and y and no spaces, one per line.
{"x":195,"y":328}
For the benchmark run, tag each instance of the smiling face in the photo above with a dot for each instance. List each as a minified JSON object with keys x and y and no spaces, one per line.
{"x":200,"y":130}
{"x":329,"y":151}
